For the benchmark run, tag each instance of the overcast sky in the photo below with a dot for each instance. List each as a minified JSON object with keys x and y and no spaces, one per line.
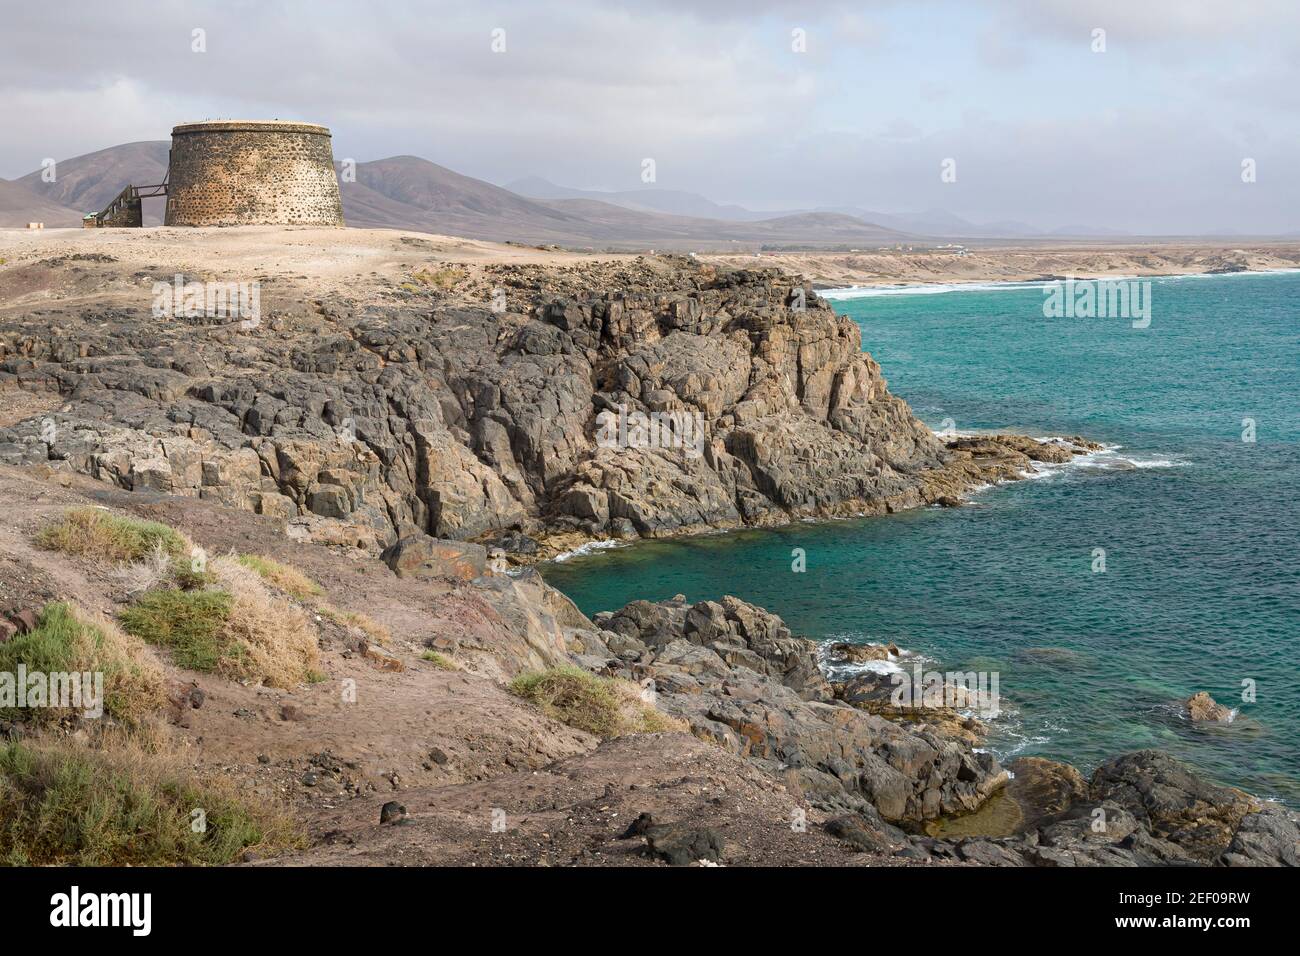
{"x":1148,"y":136}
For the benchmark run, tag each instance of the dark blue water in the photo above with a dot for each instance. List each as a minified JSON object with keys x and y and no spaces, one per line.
{"x":1201,"y":530}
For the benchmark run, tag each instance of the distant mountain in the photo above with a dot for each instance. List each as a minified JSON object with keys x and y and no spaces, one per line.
{"x":407,"y":192}
{"x":413,"y":193}
{"x":89,"y":183}
{"x":934,"y":223}
{"x":19,"y":206}
{"x":650,"y":199}
{"x":1009,"y":228}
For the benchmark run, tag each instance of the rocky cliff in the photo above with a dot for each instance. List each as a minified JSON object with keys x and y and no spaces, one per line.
{"x":467,"y":405}
{"x":402,"y":418}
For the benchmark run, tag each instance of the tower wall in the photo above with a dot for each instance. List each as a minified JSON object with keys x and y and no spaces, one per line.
{"x":252,"y":173}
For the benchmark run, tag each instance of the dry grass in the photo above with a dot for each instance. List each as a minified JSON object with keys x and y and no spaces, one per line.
{"x":604,"y":706}
{"x":288,"y":579}
{"x":152,"y":571}
{"x":371,"y":628}
{"x":446,"y":278}
{"x":68,"y":639}
{"x":278,"y":643}
{"x":104,"y":536}
{"x":120,"y":804}
{"x":237,"y":627}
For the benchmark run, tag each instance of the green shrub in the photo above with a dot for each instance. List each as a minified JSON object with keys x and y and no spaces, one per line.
{"x":108,"y":537}
{"x":439,"y":660}
{"x":187,"y":579}
{"x":237,"y":627}
{"x":603,"y":706}
{"x":67,"y":640}
{"x":67,"y":804}
{"x":190,"y":623}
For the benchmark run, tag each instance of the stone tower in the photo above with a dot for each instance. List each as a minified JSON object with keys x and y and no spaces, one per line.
{"x":239,"y":173}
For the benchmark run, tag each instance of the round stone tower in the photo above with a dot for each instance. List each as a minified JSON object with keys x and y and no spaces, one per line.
{"x":238,"y":173}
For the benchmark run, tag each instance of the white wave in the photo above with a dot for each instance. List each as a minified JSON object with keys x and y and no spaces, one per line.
{"x":848,"y":669}
{"x":842,"y":670}
{"x":1178,"y":710}
{"x":1227,"y":275}
{"x":1108,"y":458}
{"x":934,"y":288}
{"x":1017,"y":744}
{"x":1155,"y":463}
{"x":938,"y":288}
{"x":589,"y":548}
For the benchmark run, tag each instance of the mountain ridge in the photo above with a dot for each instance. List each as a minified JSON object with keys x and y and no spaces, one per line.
{"x":410,"y":192}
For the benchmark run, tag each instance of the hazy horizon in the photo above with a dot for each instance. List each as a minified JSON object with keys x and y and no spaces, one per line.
{"x":766,"y":105}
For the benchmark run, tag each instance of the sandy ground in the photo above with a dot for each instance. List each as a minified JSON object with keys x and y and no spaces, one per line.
{"x":323,"y":261}
{"x":335,"y":260}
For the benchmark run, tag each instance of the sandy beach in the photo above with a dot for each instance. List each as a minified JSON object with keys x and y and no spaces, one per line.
{"x":1021,"y":263}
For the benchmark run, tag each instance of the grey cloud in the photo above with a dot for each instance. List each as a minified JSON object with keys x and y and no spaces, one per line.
{"x":710,"y":91}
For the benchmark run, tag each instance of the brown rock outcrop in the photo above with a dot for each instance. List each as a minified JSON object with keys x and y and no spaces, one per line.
{"x":1202,"y":707}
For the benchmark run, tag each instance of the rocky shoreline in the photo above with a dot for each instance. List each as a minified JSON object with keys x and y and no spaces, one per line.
{"x":428,"y":412}
{"x":414,"y":438}
{"x":739,"y":677}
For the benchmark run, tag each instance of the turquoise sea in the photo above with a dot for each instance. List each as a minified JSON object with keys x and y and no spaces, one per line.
{"x":1200,"y":528}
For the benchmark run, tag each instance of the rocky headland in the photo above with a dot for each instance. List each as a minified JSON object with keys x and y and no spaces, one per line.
{"x":385,"y":433}
{"x":464,"y":401}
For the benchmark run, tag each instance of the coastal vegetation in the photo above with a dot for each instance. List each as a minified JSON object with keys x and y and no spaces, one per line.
{"x":438,"y":660}
{"x":606,"y":707}
{"x":69,"y":640}
{"x":118,"y":804}
{"x":238,"y":627}
{"x":288,"y":579}
{"x":190,"y":624}
{"x":107,"y":537}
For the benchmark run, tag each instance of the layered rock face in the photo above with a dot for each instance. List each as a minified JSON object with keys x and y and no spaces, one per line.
{"x":441,"y":414}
